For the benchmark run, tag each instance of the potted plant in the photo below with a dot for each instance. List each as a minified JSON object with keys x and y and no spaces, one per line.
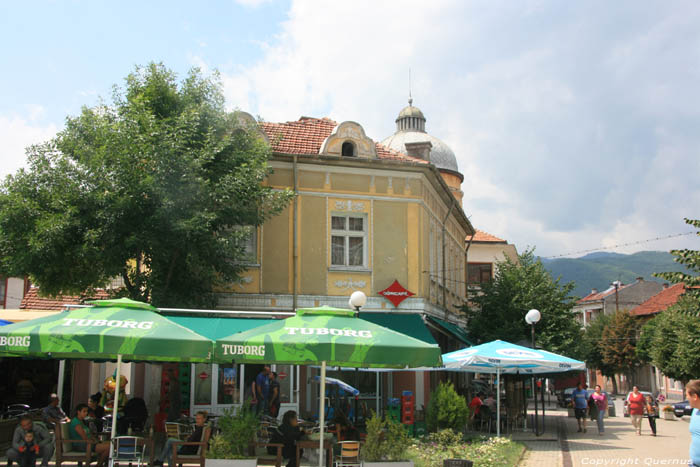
{"x":386,"y":444}
{"x":667,"y":413}
{"x":231,"y":446}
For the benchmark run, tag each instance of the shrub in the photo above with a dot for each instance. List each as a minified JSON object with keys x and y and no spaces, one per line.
{"x":446,"y":409}
{"x":387,"y":440}
{"x":236,"y":433}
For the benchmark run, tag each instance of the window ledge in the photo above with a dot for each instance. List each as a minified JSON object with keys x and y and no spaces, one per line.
{"x":350,"y":269}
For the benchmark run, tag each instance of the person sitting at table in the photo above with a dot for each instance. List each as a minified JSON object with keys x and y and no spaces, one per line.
{"x":491,"y":403}
{"x":77,"y":430}
{"x":291,"y":433}
{"x":53,"y":413}
{"x":476,"y":403}
{"x":42,"y":438}
{"x":196,"y":436}
{"x":96,"y":411}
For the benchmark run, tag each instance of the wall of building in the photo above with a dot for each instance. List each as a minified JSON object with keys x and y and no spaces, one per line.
{"x":404,"y":233}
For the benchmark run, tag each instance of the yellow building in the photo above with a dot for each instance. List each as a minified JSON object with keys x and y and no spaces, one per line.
{"x":366,"y":215}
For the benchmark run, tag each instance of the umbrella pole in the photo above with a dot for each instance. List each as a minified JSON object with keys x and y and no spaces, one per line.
{"x":61,"y":378}
{"x":322,"y":413}
{"x":115,"y":407}
{"x":498,"y":402}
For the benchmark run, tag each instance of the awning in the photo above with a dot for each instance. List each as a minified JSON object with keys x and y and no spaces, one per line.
{"x":215,"y":328}
{"x":405,"y":323}
{"x":459,"y":333}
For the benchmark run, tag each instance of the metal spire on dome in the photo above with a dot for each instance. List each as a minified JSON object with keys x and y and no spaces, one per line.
{"x":410,"y":99}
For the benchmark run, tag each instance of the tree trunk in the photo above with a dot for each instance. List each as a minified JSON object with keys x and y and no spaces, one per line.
{"x":614,"y":381}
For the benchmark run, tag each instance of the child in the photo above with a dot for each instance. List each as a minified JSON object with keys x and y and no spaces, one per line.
{"x":28,"y":450}
{"x":652,"y":413}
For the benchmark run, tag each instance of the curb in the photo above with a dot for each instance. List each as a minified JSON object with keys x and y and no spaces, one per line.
{"x":522,"y":455}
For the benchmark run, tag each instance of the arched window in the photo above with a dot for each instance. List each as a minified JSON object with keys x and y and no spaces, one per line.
{"x":348,"y":149}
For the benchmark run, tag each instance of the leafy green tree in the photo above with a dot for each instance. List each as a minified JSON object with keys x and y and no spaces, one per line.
{"x":497,"y":310}
{"x":592,"y":350}
{"x":691,"y":260}
{"x":619,"y":343}
{"x":671,"y":340}
{"x":150,"y":187}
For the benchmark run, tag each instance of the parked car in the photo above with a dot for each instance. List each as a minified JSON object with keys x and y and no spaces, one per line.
{"x":564,"y":397}
{"x":611,"y":404}
{"x":682,"y":408}
{"x":625,"y":410}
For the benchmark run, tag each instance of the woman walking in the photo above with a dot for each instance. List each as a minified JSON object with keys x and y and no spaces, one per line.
{"x":635,"y":406}
{"x":652,"y":413}
{"x":601,"y":403}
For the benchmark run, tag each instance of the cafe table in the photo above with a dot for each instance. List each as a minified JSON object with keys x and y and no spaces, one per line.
{"x":316,"y":444}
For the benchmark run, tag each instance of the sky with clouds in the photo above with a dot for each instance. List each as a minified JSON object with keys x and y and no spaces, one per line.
{"x":575,"y":124}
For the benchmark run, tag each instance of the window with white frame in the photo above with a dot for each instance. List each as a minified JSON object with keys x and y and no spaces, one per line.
{"x":348,"y":240}
{"x":249,"y":242}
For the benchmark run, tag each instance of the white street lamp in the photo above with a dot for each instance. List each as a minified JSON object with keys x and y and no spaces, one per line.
{"x":533,"y":317}
{"x":357,"y":300}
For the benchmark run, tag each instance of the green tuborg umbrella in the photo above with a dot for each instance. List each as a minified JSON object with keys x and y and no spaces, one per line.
{"x":327,"y":334}
{"x":110,"y":328}
{"x":330,"y":336}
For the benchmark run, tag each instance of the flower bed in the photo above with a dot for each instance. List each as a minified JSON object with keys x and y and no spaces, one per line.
{"x":483,"y":451}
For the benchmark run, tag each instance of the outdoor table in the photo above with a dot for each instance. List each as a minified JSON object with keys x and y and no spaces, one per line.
{"x":315,"y":444}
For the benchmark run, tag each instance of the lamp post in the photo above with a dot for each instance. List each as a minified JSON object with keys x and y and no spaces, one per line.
{"x":357,"y":301}
{"x":532,"y":317}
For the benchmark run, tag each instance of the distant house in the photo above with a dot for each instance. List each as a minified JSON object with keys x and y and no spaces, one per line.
{"x":649,"y":376}
{"x":12,"y":290}
{"x":485,"y":250}
{"x":617,"y":296}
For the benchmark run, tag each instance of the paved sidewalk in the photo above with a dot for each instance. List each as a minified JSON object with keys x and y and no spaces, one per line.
{"x":618,"y":446}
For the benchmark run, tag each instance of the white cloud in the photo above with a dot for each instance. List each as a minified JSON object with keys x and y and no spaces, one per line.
{"x":574,"y":124}
{"x":16,"y":134}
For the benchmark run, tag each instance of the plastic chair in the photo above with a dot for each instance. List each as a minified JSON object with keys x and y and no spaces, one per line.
{"x":128,"y":450}
{"x":485,"y":417}
{"x":349,"y":454}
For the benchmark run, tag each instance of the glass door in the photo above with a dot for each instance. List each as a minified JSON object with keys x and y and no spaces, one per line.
{"x":287,"y":377}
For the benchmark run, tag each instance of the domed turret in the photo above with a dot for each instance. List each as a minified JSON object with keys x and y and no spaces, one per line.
{"x":410,"y":128}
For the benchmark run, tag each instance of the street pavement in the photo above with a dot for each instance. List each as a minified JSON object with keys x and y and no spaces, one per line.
{"x":618,"y":446}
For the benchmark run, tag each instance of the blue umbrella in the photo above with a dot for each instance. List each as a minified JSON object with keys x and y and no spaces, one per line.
{"x":4,"y":323}
{"x":502,"y":357}
{"x":341,"y":384}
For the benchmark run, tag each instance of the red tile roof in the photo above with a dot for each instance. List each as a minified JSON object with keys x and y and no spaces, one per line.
{"x":306,"y":136}
{"x":601,"y":295}
{"x":660,"y":301}
{"x":32,"y":300}
{"x":481,"y":236}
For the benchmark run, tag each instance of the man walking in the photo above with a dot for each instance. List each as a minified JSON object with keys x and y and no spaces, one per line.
{"x":42,"y":437}
{"x":580,"y":400}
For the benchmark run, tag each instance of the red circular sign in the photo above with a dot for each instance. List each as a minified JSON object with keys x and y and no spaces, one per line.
{"x":282,"y":374}
{"x":203,"y":375}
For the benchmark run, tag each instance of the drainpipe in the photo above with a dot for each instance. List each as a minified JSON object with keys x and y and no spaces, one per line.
{"x":294,"y":240}
{"x":444,"y":270}
{"x":466,"y":267}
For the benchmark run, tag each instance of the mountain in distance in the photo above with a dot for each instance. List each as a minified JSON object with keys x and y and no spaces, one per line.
{"x":597,"y":270}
